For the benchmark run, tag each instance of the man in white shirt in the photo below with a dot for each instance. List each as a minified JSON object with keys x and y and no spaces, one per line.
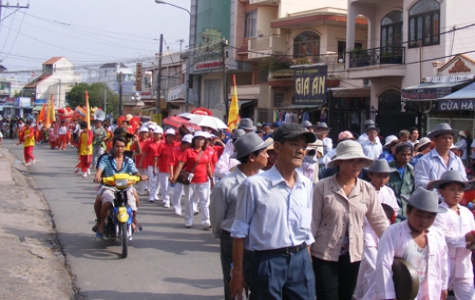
{"x":440,"y":159}
{"x":372,"y":148}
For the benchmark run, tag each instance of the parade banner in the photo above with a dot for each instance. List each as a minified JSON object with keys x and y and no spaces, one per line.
{"x":310,"y":85}
{"x":233,"y":115}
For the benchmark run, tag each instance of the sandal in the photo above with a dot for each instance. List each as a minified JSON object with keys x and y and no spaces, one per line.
{"x":136,"y":228}
{"x":95,"y":227}
{"x":101,"y":236}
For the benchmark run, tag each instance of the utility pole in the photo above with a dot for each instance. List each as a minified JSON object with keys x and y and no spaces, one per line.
{"x":224,"y":43}
{"x":159,"y":73}
{"x":59,"y":94}
{"x":120,"y":94}
{"x":10,"y":6}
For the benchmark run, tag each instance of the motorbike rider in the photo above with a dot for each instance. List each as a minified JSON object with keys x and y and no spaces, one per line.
{"x":108,"y":166}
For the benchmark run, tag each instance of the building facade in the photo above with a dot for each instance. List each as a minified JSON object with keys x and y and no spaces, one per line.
{"x":408,"y":41}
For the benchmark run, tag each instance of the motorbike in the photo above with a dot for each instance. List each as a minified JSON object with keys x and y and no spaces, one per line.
{"x":119,"y":221}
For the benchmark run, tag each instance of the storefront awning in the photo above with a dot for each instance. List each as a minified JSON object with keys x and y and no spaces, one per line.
{"x":243,"y":102}
{"x":363,"y":92}
{"x":431,"y":91}
{"x":463,"y":99}
{"x":296,"y":106}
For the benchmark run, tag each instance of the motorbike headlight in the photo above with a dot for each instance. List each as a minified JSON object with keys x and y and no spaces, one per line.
{"x":121,"y":182}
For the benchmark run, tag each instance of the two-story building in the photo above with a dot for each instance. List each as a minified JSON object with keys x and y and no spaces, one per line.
{"x":58,"y":77}
{"x":261,"y":33}
{"x":408,"y":42}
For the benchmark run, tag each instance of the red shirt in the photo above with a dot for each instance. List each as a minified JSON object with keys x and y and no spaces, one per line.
{"x":166,"y":153}
{"x":189,"y":158}
{"x":151,"y":150}
{"x":213,"y":156}
{"x":176,"y":156}
{"x":139,"y":157}
{"x":219,"y":150}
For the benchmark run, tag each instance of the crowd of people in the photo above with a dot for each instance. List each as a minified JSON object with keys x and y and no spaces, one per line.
{"x":298,"y":218}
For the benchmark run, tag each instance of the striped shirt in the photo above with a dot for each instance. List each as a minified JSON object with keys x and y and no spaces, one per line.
{"x":109,"y":166}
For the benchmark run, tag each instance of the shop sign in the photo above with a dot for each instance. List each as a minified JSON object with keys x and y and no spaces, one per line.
{"x":22,"y":102}
{"x":310,"y":85}
{"x":465,"y":104}
{"x":425,"y":93}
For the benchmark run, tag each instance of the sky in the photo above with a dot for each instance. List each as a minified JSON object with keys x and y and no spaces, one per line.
{"x":89,"y":33}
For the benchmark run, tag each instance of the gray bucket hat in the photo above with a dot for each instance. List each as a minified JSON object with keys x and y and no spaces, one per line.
{"x":451,"y":176}
{"x":381,"y":166}
{"x":424,"y":200}
{"x":306,"y":124}
{"x":349,"y":150}
{"x":371,"y":127}
{"x":369,"y":122}
{"x":246,"y":124}
{"x":442,"y":128}
{"x":249,"y":143}
{"x":323,"y":125}
{"x":237,"y":133}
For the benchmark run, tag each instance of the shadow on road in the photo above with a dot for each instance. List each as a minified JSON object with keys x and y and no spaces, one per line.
{"x":143,"y":296}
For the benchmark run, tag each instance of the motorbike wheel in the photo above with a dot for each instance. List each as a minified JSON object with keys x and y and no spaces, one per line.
{"x":125,"y":239}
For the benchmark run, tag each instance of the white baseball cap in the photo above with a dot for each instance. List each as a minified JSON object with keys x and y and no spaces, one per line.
{"x":143,"y":129}
{"x":157,"y":129}
{"x":200,"y":133}
{"x":170,"y":131}
{"x":187,"y":138}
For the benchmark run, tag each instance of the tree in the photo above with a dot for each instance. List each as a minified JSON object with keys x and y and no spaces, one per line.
{"x":96,"y":97}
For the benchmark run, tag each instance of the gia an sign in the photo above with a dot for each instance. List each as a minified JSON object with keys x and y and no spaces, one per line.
{"x":310,"y":86}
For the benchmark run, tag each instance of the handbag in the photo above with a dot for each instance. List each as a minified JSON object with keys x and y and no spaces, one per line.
{"x":185,"y":177}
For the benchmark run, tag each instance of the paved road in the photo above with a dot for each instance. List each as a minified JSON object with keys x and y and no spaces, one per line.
{"x":166,"y":260}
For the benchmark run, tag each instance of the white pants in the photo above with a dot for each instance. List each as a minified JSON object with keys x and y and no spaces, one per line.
{"x":364,"y":286}
{"x":164,"y":186}
{"x":176,"y":197}
{"x":152,"y":184}
{"x":193,"y":191}
{"x":463,"y":287}
{"x":142,"y":184}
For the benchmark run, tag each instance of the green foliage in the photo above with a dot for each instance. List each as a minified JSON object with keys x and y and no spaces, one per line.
{"x":96,"y":97}
{"x":276,"y":62}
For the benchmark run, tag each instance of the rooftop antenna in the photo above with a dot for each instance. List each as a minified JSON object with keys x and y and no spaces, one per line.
{"x":181,"y":41}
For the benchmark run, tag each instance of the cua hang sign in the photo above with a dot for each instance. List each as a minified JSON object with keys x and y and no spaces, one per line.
{"x":465,"y":104}
{"x":310,"y":86}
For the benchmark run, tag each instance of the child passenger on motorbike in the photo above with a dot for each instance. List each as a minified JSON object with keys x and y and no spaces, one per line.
{"x":108,"y":166}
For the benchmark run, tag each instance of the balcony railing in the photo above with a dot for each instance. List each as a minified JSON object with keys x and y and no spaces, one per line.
{"x":377,"y":56}
{"x":264,"y":2}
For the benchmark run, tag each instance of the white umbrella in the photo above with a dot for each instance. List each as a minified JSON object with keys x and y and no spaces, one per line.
{"x":207,"y":121}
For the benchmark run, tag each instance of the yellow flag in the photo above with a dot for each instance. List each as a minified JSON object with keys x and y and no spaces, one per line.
{"x":53,"y":111}
{"x":88,"y":111}
{"x":233,"y":116}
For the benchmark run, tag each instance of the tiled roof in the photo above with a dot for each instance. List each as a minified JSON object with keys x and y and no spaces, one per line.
{"x":111,"y":65}
{"x":52,"y":60}
{"x":36,"y":81}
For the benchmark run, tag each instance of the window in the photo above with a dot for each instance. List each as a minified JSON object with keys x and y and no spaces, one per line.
{"x":307,"y":44}
{"x":212,"y":93}
{"x":424,"y":26}
{"x":342,"y":48}
{"x":278,"y":99}
{"x":250,"y":24}
{"x":391,"y":29}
